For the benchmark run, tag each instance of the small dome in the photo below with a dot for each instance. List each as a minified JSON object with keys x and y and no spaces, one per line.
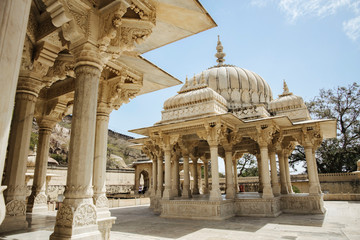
{"x":193,"y":93}
{"x":194,"y":100}
{"x":240,"y":87}
{"x":289,"y":104}
{"x":287,"y":100}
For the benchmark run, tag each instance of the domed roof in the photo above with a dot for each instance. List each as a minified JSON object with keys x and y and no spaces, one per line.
{"x":240,"y":87}
{"x":290,"y":105}
{"x":195,"y":99}
{"x":193,"y":92}
{"x":287,"y":100}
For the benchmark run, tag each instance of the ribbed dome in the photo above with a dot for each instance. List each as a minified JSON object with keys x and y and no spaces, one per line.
{"x":287,"y":100}
{"x":240,"y":87}
{"x":195,"y":100}
{"x":192,"y":94}
{"x":289,"y":105}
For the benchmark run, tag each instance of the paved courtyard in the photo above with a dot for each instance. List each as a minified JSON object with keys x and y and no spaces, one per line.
{"x":341,"y":221}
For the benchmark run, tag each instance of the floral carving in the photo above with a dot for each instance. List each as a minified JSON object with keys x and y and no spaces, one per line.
{"x":101,"y":202}
{"x":84,"y":215}
{"x":64,"y":216}
{"x":40,"y":199}
{"x":15,"y":208}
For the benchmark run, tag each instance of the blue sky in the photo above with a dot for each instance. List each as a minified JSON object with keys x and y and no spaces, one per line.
{"x":312,"y":44}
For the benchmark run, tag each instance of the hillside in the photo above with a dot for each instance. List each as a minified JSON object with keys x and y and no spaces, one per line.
{"x":118,"y":145}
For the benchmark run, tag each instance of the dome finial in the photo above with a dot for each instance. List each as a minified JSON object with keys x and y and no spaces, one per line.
{"x":186,"y":81}
{"x":202,"y":78}
{"x":220,"y":55}
{"x":286,"y":89}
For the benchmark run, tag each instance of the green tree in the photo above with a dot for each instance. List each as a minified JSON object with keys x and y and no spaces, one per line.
{"x":247,"y":166}
{"x":341,"y":153}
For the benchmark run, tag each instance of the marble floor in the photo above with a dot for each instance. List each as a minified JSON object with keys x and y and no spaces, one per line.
{"x":341,"y":221}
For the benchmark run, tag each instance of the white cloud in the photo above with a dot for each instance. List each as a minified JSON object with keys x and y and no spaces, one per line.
{"x":320,"y":8}
{"x":352,"y":28}
{"x":295,"y":9}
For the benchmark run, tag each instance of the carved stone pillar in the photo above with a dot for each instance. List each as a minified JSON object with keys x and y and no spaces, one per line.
{"x":186,"y":185}
{"x":76,"y":218}
{"x":283,"y":181}
{"x":314,"y":187}
{"x":195,"y":190}
{"x":13,"y":22}
{"x":160,"y":175}
{"x":206,"y":175}
{"x":167,"y":191}
{"x":19,"y":141}
{"x":287,"y":171}
{"x":103,"y":215}
{"x":274,"y":178}
{"x":265,"y":177}
{"x":230,"y":190}
{"x":177,"y":178}
{"x":99,"y":171}
{"x":37,"y":201}
{"x":236,"y":185}
{"x":154,"y":177}
{"x":258,"y":158}
{"x":316,"y":170}
{"x":215,"y":193}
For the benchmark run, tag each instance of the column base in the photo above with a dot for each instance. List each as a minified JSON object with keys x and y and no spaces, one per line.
{"x":105,"y":225}
{"x":167,"y":195}
{"x":15,"y":218}
{"x":186,"y":193}
{"x":267,"y":192}
{"x":196,"y":191}
{"x":76,"y":219}
{"x":276,"y":190}
{"x":13,"y":223}
{"x":37,"y":204}
{"x":230,"y":193}
{"x":215,"y":195}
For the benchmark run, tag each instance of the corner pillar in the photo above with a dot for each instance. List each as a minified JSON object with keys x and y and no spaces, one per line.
{"x":314,"y":187}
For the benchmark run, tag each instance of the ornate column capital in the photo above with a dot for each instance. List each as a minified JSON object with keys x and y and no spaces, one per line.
{"x":49,"y":112}
{"x":264,"y":135}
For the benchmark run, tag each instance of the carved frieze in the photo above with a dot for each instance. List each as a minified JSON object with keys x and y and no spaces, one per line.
{"x":16,"y":208}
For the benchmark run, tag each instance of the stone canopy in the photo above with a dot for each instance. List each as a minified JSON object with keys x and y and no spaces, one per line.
{"x":227,"y":111}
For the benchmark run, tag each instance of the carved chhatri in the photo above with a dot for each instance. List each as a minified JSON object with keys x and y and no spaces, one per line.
{"x":219,"y":112}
